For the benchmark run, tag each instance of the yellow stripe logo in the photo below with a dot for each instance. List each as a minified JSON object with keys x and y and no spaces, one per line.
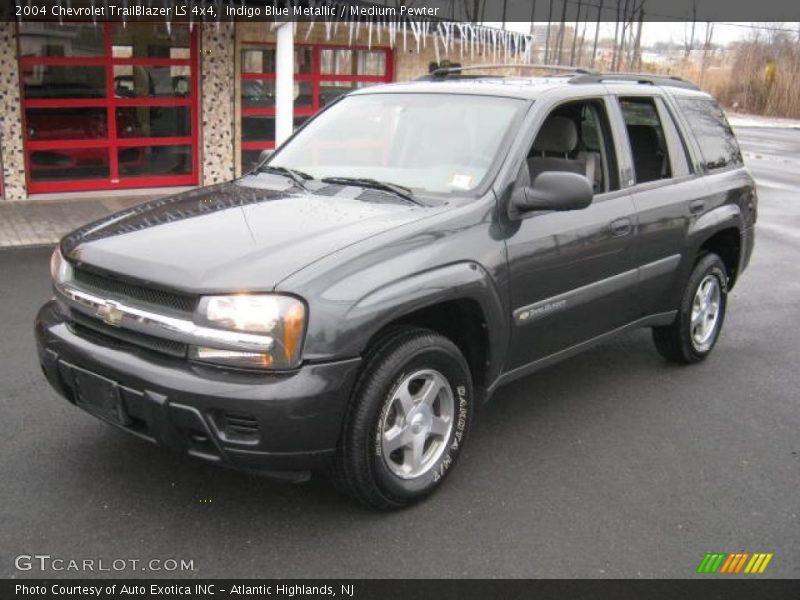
{"x":734,"y":563}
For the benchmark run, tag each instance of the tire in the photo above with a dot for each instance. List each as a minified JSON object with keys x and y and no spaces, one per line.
{"x":407,"y":420}
{"x":685,"y":342}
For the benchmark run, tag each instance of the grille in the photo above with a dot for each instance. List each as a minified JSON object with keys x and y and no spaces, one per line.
{"x":237,"y":426}
{"x":93,"y":329}
{"x":120,"y":290}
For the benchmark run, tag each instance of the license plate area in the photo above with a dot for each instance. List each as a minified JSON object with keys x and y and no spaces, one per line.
{"x":99,"y":396}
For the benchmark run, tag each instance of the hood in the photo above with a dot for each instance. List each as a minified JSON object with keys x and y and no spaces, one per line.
{"x":246,"y":235}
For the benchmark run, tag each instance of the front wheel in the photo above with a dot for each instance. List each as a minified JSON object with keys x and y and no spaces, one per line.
{"x":408,"y":420}
{"x":693,"y":334}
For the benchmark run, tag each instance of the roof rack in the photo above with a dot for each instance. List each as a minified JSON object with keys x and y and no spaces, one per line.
{"x":646,"y":78}
{"x":447,"y":71}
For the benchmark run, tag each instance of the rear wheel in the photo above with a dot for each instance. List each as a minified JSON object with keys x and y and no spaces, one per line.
{"x":408,"y":420}
{"x":693,"y":334}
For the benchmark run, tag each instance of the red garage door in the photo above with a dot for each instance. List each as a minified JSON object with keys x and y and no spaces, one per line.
{"x":108,"y":106}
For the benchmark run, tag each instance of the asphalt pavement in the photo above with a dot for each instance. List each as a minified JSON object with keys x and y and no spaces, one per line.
{"x":611,"y":464}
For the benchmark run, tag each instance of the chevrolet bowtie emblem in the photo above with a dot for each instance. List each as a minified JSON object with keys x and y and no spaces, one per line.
{"x":110,"y":313}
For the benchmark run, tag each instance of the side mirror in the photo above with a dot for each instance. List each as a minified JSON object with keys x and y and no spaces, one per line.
{"x":265,"y":154}
{"x":555,"y":190}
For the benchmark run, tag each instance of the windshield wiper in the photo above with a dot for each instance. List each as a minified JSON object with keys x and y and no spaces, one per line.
{"x":398,"y":190}
{"x":298,"y":177}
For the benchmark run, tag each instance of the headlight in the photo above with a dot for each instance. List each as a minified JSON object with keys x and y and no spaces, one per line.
{"x":282,"y":318}
{"x":60,"y":269}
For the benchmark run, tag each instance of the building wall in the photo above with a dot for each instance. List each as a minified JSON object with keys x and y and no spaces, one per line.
{"x":220,"y":132}
{"x":13,"y":159}
{"x":217,"y":102}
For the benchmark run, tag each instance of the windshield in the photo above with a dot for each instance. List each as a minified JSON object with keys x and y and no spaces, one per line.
{"x":428,"y":142}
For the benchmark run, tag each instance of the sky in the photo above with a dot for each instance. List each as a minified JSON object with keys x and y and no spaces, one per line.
{"x":724,"y":33}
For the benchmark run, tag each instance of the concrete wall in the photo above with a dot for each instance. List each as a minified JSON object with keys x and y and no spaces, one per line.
{"x":10,"y":118}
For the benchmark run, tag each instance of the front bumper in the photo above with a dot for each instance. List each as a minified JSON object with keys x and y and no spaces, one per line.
{"x":285,"y":425}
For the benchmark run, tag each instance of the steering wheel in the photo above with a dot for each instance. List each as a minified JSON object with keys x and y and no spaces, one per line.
{"x":474,"y":159}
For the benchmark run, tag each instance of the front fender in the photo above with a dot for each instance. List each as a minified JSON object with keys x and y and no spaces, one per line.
{"x":389,"y":302}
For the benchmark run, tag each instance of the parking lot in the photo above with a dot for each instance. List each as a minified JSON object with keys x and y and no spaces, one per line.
{"x":611,"y":464}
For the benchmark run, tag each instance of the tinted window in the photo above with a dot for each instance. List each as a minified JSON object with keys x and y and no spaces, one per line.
{"x":647,"y":141}
{"x":711,"y":130}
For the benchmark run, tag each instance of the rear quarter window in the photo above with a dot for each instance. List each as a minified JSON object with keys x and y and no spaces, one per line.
{"x":714,"y":135}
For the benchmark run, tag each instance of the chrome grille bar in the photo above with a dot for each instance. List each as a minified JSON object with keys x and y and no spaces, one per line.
{"x":123,"y":315}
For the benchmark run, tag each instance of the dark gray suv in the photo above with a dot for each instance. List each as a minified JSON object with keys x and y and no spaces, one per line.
{"x":345,"y":306}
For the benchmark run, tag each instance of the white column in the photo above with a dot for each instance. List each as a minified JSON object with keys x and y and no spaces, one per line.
{"x":284,"y":83}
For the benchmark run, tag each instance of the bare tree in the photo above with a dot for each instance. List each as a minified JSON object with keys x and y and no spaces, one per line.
{"x":547,"y":35}
{"x":575,"y":34}
{"x":597,"y":32}
{"x":688,"y":42}
{"x":637,"y":52}
{"x":562,"y":26}
{"x":616,"y":35}
{"x":706,"y":47}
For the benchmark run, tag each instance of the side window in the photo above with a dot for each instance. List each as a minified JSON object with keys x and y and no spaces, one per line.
{"x":718,"y":145}
{"x":576,"y":137}
{"x":648,"y":143}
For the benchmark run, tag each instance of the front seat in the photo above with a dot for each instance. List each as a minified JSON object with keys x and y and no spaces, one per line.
{"x":559,"y":136}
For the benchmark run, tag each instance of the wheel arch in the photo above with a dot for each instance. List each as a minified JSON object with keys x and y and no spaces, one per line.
{"x":720,"y":231}
{"x":458,"y":301}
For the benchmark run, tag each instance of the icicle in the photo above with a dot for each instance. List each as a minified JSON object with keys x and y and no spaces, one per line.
{"x":308,"y":31}
{"x":350,"y":39}
{"x":440,"y":34}
{"x":415,"y":29}
{"x":167,"y":20}
{"x":380,"y":28}
{"x":369,"y":35}
{"x":358,"y":26}
{"x":471,"y":38}
{"x":436,"y":50}
{"x":405,"y":41}
{"x":451,"y":38}
{"x":328,"y":26}
{"x":94,"y":18}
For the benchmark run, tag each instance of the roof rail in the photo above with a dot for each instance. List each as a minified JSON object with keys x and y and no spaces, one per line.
{"x":446,"y":71}
{"x":646,"y":78}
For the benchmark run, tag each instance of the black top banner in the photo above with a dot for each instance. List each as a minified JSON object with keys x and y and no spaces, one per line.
{"x":472,"y":11}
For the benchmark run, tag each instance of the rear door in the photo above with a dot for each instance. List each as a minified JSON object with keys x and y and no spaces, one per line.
{"x":666,"y":190}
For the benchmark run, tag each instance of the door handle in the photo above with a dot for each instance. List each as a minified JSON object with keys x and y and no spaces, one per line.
{"x":697,"y":207}
{"x":621,"y":227}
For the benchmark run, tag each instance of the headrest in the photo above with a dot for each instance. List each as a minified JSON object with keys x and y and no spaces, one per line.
{"x":643,"y":138}
{"x":558,"y":134}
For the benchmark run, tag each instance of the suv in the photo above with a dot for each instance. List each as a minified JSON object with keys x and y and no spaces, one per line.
{"x":345,"y":306}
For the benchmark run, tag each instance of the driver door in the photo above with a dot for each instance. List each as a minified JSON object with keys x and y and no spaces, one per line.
{"x":572,"y":273}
